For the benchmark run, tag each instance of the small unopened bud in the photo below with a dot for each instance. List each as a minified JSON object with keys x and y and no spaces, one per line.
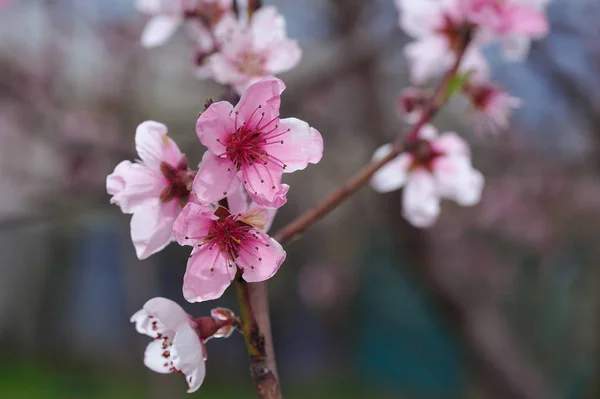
{"x":411,"y":103}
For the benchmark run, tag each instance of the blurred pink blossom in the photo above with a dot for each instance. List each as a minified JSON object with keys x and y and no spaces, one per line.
{"x":176,"y":345}
{"x":438,"y":28}
{"x":249,"y":52}
{"x":491,"y":106}
{"x":166,"y":16}
{"x":250,"y":142}
{"x":434,"y":167}
{"x":152,"y":189}
{"x":223,"y":241}
{"x":514,"y":22}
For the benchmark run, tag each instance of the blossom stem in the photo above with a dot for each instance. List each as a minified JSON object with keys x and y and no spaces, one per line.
{"x":362,"y":177}
{"x":261,"y":361}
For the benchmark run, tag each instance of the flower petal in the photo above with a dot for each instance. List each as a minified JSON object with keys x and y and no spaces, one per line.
{"x":193,"y":223}
{"x":428,"y":58}
{"x":260,"y":258}
{"x":154,"y":359}
{"x":208,"y":274}
{"x":268,"y":27}
{"x":457,"y":180}
{"x":263,"y":96}
{"x":154,"y":146}
{"x":159,"y":29}
{"x":263,"y":184}
{"x":214,"y":178}
{"x":421,"y":203}
{"x":215,"y":126}
{"x":295,"y":143}
{"x":188,"y":357}
{"x":237,"y":199}
{"x":134,"y":186}
{"x":392,"y":175}
{"x":152,"y":227}
{"x":160,"y":316}
{"x":452,"y":144}
{"x":283,"y":56}
{"x":420,"y":18}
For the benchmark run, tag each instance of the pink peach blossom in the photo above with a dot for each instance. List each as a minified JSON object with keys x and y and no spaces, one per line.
{"x":249,"y":52}
{"x":166,"y":16}
{"x":223,"y":242}
{"x":152,"y":189}
{"x":491,"y":106}
{"x":434,"y":167}
{"x":176,"y":346}
{"x":251,"y":144}
{"x":514,"y":22}
{"x":438,"y":27}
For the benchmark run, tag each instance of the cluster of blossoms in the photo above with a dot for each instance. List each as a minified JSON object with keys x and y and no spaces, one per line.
{"x":223,"y":210}
{"x":441,"y":28}
{"x":232,"y":51}
{"x":446,"y":32}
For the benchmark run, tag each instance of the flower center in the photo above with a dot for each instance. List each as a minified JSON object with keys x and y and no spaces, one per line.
{"x":228,"y":234}
{"x":252,"y":139}
{"x":180,"y":180}
{"x":251,"y":63}
{"x":423,"y":155}
{"x":454,"y":32}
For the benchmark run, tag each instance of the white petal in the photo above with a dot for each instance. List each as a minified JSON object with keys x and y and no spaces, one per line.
{"x":457,"y":180}
{"x":421,"y":202}
{"x":188,"y":357}
{"x":428,"y":132}
{"x":154,"y":359}
{"x":419,"y":17}
{"x":159,"y":29}
{"x":428,"y":58}
{"x":154,"y":146}
{"x":392,"y":175}
{"x":152,"y":227}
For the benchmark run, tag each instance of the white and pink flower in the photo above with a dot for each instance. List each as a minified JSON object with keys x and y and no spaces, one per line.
{"x":491,"y":107}
{"x":513,"y":22}
{"x":166,"y":16}
{"x":434,"y":167}
{"x":176,"y":346}
{"x":223,"y":241}
{"x":249,"y":52}
{"x":439,"y":30}
{"x":250,"y":144}
{"x":153,"y":189}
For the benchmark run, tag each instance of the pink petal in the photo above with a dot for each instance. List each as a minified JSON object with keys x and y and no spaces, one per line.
{"x":237,"y":199}
{"x":260,"y":258}
{"x":214,"y":178}
{"x":421,"y":203}
{"x":154,"y":146}
{"x":134,"y":186}
{"x":392,"y":175}
{"x":215,"y":126}
{"x":428,"y":132}
{"x":428,"y":58}
{"x":193,"y":223}
{"x":188,"y":357}
{"x":297,"y":147}
{"x":268,"y":27}
{"x":154,"y":359}
{"x":208,"y":274}
{"x":225,"y":70}
{"x":451,"y":143}
{"x":159,"y":29}
{"x":527,"y":20}
{"x":457,"y":180}
{"x":263,"y":183}
{"x":152,"y":227}
{"x":262,"y":96}
{"x":283,"y":56}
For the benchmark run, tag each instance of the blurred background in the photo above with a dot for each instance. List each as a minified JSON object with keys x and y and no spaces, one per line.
{"x":505,"y":293}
